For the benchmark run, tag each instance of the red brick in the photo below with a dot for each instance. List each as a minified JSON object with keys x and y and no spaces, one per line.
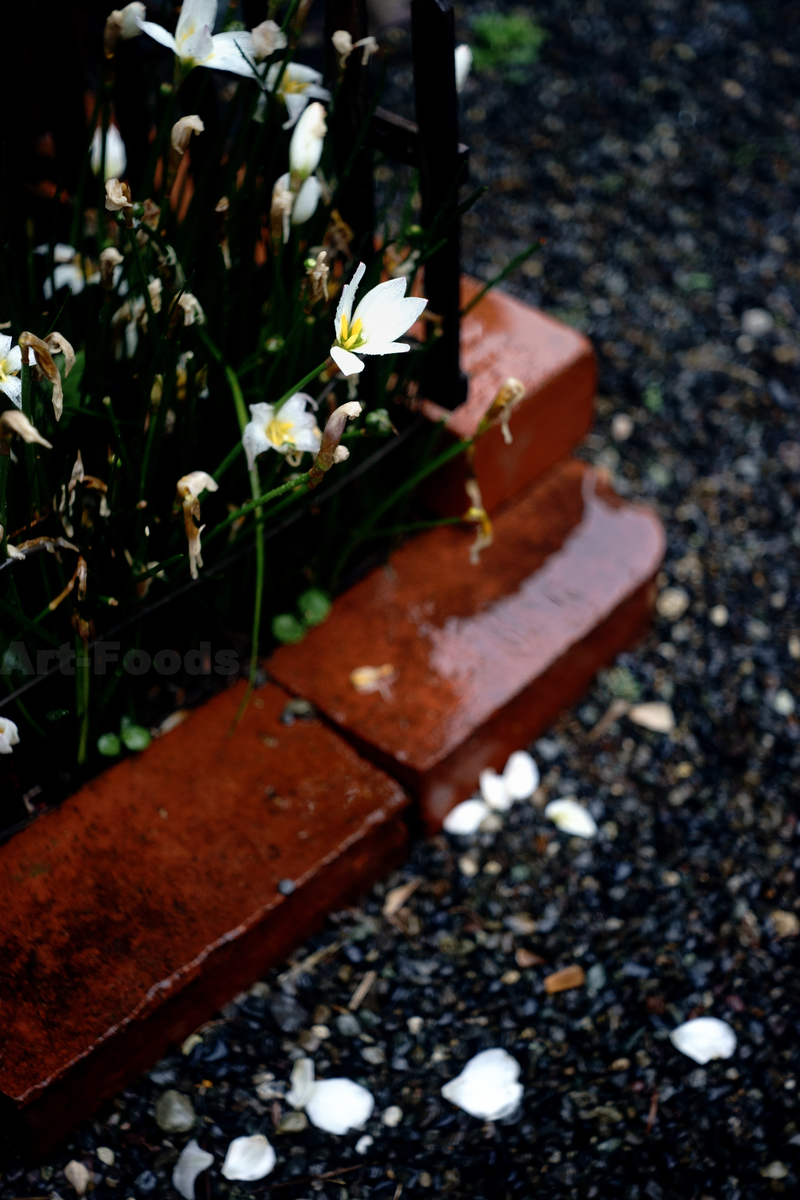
{"x":503,"y":337}
{"x":125,"y":929}
{"x":487,"y":656}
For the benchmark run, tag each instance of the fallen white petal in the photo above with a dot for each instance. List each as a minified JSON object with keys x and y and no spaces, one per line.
{"x":339,"y":1105}
{"x":302,"y":1083}
{"x":571,"y":817}
{"x":249,"y":1158}
{"x":494,"y":791}
{"x":192,"y":1162}
{"x":363,"y":1144}
{"x":656,"y":715}
{"x":488,"y":1086}
{"x":466,"y":817}
{"x":521,"y":775}
{"x":704,"y":1038}
{"x":77,"y":1174}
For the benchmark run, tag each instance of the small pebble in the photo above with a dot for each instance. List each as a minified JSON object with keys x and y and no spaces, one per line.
{"x":175,"y":1112}
{"x":106,"y":1155}
{"x":286,"y":887}
{"x":621,"y":427}
{"x":718,"y":615}
{"x":392,"y":1116}
{"x":672,"y":603}
{"x":573,"y":976}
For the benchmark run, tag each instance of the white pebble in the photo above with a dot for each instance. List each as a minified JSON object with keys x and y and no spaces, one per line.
{"x":77,"y":1174}
{"x":757,"y":321}
{"x":106,"y":1155}
{"x":704,"y":1038}
{"x":363,"y":1144}
{"x":718,"y":615}
{"x":783,"y":703}
{"x":621,"y":427}
{"x":672,"y":603}
{"x":392,"y":1115}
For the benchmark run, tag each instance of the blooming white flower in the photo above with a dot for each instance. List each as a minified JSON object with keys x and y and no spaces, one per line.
{"x":305,"y":147}
{"x":384,"y":314}
{"x":195,"y":44}
{"x":249,"y":1158}
{"x":299,"y":84}
{"x":335,"y":1105}
{"x":9,"y":735}
{"x":463,"y":65}
{"x":192,"y":1162}
{"x":704,"y":1038}
{"x":116,"y":155}
{"x":488,"y":1086}
{"x":519,"y":780}
{"x":267,"y":38}
{"x":289,"y":431}
{"x":10,"y":366}
{"x":571,"y":817}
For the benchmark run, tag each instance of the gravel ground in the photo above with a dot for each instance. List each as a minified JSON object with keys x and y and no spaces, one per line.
{"x":655,"y":147}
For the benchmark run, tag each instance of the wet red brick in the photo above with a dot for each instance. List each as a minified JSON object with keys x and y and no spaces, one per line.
{"x":488,"y":655}
{"x":503,"y":337}
{"x":150,"y":897}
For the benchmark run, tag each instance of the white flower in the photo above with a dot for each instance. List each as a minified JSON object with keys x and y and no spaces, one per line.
{"x":118,"y":196}
{"x":305,"y":148}
{"x":249,"y":1158}
{"x":571,"y":817}
{"x":467,"y":817}
{"x":195,"y":45}
{"x":335,"y":1105}
{"x":267,"y":38}
{"x":519,"y":780}
{"x":463,"y":66}
{"x":10,"y":366}
{"x":704,"y":1038}
{"x":307,"y":200}
{"x":298,"y":85}
{"x":9,"y":735}
{"x":192,"y":310}
{"x":383,"y":314}
{"x":488,"y":1086}
{"x":192,"y":1162}
{"x":293,"y":208}
{"x":116,"y":156}
{"x":288,"y":431}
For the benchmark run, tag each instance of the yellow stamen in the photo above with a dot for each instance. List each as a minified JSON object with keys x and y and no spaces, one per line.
{"x":351,"y":334}
{"x":278,"y":432}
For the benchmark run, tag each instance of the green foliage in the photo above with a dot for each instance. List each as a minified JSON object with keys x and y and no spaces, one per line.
{"x":314,"y":606}
{"x":653,"y":399}
{"x":622,"y":683}
{"x":135,"y":737}
{"x":287,"y":629}
{"x":507,"y":42}
{"x":109,"y":745}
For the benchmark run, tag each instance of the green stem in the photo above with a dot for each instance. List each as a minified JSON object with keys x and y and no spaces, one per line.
{"x":506,"y":271}
{"x":137,"y":258}
{"x":242,"y":511}
{"x":82,"y":681}
{"x":297,"y":386}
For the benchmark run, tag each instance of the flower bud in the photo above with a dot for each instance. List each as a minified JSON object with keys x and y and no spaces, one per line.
{"x":116,"y":155}
{"x":307,"y":200}
{"x":122,"y":24}
{"x":180,"y":137}
{"x":305,"y":148}
{"x":118,"y":199}
{"x":331,"y":437}
{"x":463,"y":66}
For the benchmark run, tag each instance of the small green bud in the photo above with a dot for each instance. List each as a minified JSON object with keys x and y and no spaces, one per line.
{"x":109,"y":745}
{"x":287,"y":629}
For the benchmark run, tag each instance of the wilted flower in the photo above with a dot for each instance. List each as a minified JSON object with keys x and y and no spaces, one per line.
{"x":10,"y":364}
{"x":501,"y":408}
{"x":335,"y":1105}
{"x":188,"y":488}
{"x":477,"y":513}
{"x":191,"y":308}
{"x":118,"y":199}
{"x":54,"y":343}
{"x":195,"y":44}
{"x":463,"y":65}
{"x":281,"y":208}
{"x":318,"y":273}
{"x":267,"y":38}
{"x":488,"y":1086}
{"x":249,"y":1158}
{"x":344,"y":46}
{"x":305,"y":147}
{"x":110,"y":260}
{"x":290,"y":430}
{"x":9,"y":735}
{"x":69,"y":270}
{"x":192,"y":1162}
{"x":122,"y":23}
{"x":384,"y":314}
{"x":367,"y":680}
{"x":331,"y":451}
{"x":181,"y":134}
{"x":571,"y":817}
{"x":704,"y":1038}
{"x":154,"y":289}
{"x":18,"y":423}
{"x":116,"y":156}
{"x":299,"y":84}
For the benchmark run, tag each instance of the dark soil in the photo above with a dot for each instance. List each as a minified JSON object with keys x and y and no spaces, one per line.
{"x":656,"y":147}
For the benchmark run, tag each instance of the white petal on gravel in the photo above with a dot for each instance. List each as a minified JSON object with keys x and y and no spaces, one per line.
{"x":192,"y":1162}
{"x":249,"y":1158}
{"x":339,"y":1105}
{"x":488,"y":1086}
{"x":655,"y":715}
{"x":466,"y":817}
{"x":521,"y":775}
{"x":106,"y":1155}
{"x":302,"y":1083}
{"x":77,"y":1174}
{"x":704,"y":1038}
{"x":363,"y":1144}
{"x":494,"y":791}
{"x":571,"y":817}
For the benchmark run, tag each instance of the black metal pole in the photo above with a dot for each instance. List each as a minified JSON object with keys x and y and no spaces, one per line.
{"x":433,"y":48}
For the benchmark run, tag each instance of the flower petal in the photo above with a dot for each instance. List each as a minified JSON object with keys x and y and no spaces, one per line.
{"x":339,"y":1105}
{"x":571,"y":817}
{"x":295,"y":105}
{"x":521,"y":775}
{"x":5,"y":339}
{"x":13,"y":359}
{"x":493,"y":790}
{"x":249,"y":1158}
{"x":488,"y":1086}
{"x":347,"y":363}
{"x":704,"y":1038}
{"x":345,"y":305}
{"x":158,"y":33}
{"x":386,"y":312}
{"x":232,"y":51}
{"x":384,"y":348}
{"x":192,"y":1162}
{"x":302,"y":1083}
{"x":194,"y":15}
{"x":467,"y":817}
{"x":307,"y":200}
{"x":254,"y":439}
{"x":12,"y":387}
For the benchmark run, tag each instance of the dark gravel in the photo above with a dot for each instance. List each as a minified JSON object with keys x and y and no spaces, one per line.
{"x":656,"y":147}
